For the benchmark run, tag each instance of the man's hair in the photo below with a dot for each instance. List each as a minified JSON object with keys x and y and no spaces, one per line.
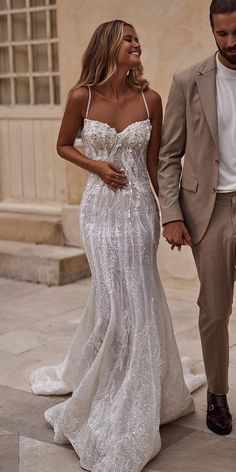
{"x":221,"y":6}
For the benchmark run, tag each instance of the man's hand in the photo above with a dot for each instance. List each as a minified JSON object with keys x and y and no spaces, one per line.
{"x":176,"y":234}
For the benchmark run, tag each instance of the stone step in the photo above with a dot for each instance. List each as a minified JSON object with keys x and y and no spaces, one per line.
{"x":29,"y":228}
{"x":41,"y":263}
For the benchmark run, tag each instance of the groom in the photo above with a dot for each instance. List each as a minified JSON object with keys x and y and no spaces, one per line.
{"x":198,"y":199}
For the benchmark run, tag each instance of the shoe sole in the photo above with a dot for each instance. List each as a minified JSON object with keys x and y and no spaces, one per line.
{"x":219,"y":431}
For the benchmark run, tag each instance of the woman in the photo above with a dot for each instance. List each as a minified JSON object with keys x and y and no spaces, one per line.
{"x":123,"y":366}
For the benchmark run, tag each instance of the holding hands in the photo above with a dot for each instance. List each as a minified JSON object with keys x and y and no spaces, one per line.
{"x":177,"y":234}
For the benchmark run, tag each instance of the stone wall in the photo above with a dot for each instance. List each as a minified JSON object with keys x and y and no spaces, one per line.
{"x":173,"y":35}
{"x":34,"y":181}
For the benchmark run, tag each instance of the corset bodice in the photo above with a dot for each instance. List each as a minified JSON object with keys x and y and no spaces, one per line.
{"x":127,"y":149}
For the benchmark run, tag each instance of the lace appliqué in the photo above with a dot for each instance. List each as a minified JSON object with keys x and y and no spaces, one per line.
{"x":123,"y":366}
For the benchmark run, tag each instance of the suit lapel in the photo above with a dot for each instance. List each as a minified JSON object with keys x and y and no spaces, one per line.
{"x":206,"y":83}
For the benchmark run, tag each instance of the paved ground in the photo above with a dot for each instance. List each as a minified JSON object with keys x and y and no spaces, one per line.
{"x":36,"y":327}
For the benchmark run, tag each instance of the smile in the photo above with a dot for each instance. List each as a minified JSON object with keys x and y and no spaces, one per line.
{"x":135,"y":53}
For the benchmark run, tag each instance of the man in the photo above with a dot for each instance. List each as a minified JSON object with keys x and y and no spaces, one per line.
{"x":198,"y":200}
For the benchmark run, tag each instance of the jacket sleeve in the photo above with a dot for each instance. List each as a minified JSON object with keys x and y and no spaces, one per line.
{"x":172,"y":150}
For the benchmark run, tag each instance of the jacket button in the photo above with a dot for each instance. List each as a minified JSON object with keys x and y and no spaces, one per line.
{"x":217,"y":162}
{"x":214,"y":190}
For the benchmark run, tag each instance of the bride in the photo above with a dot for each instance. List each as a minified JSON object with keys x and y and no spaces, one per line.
{"x":123,"y":367}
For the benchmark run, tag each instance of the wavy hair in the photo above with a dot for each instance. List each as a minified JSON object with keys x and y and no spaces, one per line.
{"x":99,"y":63}
{"x":221,"y":6}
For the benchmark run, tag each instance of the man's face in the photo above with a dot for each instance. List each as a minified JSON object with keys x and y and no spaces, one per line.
{"x":224,"y":30}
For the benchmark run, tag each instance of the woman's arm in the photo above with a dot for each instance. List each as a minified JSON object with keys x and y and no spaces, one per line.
{"x":72,"y":121}
{"x":155,"y":108}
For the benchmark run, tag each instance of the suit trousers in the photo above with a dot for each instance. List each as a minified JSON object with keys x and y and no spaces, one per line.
{"x":215,"y":261}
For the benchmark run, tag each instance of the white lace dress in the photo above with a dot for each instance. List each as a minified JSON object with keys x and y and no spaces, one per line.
{"x":123,"y":366}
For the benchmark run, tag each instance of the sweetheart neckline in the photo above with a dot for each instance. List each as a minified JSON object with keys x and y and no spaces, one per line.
{"x":114,"y":129}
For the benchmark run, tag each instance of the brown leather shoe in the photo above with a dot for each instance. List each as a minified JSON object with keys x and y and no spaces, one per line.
{"x":219,"y":419}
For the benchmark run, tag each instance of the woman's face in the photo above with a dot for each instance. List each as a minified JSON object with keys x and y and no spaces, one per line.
{"x":130,"y":50}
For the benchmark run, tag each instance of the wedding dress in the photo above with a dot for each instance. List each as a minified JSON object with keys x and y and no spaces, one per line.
{"x":123,"y":366}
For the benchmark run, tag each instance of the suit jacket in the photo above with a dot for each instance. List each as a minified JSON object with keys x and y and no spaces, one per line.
{"x":187,"y":192}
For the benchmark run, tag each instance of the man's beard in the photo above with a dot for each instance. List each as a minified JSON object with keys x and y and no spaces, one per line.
{"x":228,"y":57}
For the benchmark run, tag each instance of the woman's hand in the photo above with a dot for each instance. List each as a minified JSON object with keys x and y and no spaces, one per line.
{"x":111,"y":175}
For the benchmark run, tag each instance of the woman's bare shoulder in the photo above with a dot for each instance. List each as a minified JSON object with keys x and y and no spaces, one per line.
{"x":154,"y":104}
{"x":78,"y":96}
{"x":153,"y":97}
{"x":78,"y":93}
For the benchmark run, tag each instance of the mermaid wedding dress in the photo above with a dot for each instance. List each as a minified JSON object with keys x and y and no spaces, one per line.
{"x":123,"y":366}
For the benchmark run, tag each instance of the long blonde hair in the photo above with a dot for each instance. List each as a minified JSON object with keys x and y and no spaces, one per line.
{"x":99,"y":61}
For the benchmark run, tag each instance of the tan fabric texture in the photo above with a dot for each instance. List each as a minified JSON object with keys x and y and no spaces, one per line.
{"x":190,"y":130}
{"x":215,"y":261}
{"x":188,"y":192}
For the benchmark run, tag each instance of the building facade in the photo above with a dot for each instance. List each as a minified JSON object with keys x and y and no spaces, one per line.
{"x":41,"y":46}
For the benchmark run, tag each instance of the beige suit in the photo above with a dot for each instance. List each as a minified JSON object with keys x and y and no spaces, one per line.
{"x":190,"y":129}
{"x":189,"y":193}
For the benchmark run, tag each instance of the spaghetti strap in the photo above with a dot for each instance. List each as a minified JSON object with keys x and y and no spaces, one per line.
{"x":89,"y":101}
{"x":145,"y":103}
